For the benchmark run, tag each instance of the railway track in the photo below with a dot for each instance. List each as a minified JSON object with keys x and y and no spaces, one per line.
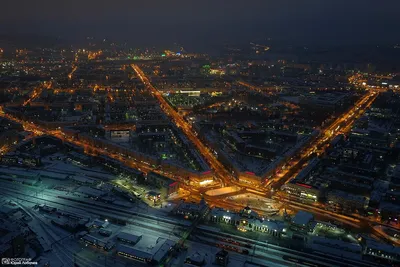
{"x":327,"y":260}
{"x":165,"y":226}
{"x":95,"y":203}
{"x":60,"y":250}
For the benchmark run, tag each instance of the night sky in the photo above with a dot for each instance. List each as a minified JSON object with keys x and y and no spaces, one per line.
{"x":208,"y":21}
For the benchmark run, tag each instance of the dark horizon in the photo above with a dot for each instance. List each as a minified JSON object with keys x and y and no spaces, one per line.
{"x":207,"y":23}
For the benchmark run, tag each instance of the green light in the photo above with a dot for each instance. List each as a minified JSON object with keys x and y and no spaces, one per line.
{"x":163,"y":55}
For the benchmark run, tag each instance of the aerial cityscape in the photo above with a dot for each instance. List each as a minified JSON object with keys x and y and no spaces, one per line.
{"x":170,"y":147}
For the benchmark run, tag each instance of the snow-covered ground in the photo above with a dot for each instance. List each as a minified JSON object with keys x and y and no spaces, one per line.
{"x":252,"y":200}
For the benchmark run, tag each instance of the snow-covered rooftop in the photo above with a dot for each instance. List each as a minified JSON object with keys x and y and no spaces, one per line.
{"x":302,"y":218}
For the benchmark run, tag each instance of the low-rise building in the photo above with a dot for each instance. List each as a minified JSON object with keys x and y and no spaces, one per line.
{"x":128,"y":238}
{"x":247,"y":220}
{"x":219,"y":215}
{"x":165,"y":184}
{"x":191,"y":211}
{"x":301,"y":187}
{"x":8,"y":209}
{"x":222,"y":258}
{"x":302,"y":190}
{"x":12,"y":242}
{"x":272,"y":227}
{"x":302,"y":222}
{"x":134,"y":254}
{"x":98,"y":243}
{"x":148,"y":253}
{"x":380,"y":250}
{"x":347,"y":201}
{"x":97,"y":223}
{"x":195,"y":259}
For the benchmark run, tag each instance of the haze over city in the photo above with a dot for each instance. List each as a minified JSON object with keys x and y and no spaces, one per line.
{"x":204,"y":23}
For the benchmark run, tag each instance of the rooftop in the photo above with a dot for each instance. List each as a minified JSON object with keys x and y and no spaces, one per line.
{"x":302,"y":218}
{"x":129,"y":237}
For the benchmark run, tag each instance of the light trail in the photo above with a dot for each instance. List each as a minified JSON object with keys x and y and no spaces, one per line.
{"x":74,"y":68}
{"x":36,"y":92}
{"x":326,"y":136}
{"x":220,"y":171}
